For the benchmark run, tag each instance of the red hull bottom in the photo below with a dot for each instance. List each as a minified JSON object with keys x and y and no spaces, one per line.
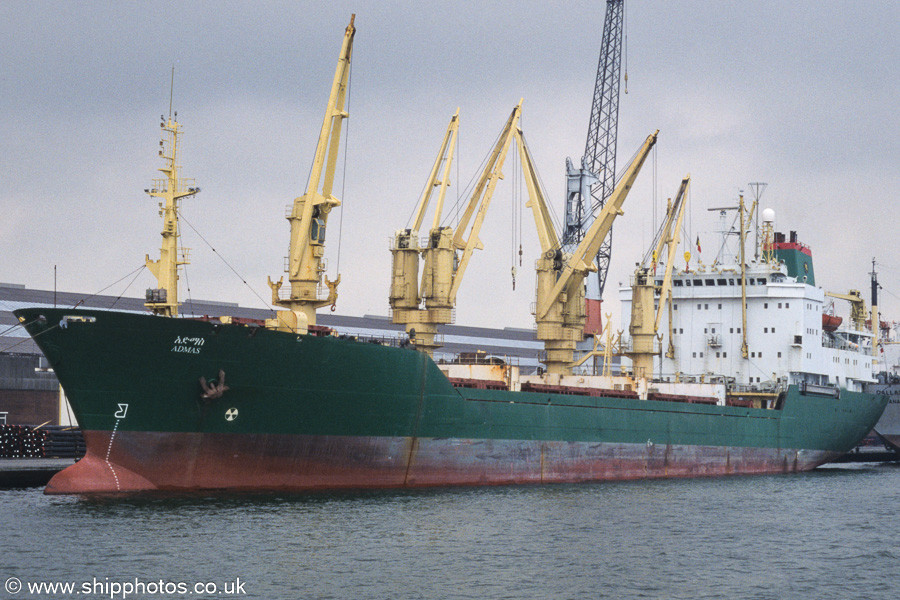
{"x":141,"y":461}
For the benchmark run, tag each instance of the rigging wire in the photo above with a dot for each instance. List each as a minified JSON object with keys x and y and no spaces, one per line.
{"x":227,"y":264}
{"x":187,"y":284}
{"x":119,"y":297}
{"x":190,"y":302}
{"x":13,"y":326}
{"x":471,"y":185}
{"x":514,"y":191}
{"x":521,"y":210}
{"x":344,"y":174}
{"x":655,"y":186}
{"x":86,"y":298}
{"x":625,"y":43}
{"x":553,"y":217}
{"x":686,"y":240}
{"x":458,"y":186}
{"x":23,"y":340}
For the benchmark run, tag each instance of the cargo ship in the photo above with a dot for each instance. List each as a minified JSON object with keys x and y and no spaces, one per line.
{"x":168,"y":403}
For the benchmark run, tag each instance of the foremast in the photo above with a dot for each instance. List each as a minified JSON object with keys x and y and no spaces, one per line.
{"x":163,"y":300}
{"x":309,"y":214}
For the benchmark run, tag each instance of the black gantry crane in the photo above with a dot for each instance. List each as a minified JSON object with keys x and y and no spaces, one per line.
{"x":591,"y":185}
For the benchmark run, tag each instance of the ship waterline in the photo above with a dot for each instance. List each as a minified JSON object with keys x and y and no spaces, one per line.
{"x":142,"y":462}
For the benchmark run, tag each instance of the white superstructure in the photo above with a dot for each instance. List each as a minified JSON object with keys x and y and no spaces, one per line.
{"x":786,"y":342}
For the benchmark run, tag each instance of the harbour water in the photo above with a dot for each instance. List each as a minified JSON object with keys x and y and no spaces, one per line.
{"x":831,"y":533}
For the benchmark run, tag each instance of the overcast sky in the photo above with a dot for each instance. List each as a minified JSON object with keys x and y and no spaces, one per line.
{"x":800,"y":95}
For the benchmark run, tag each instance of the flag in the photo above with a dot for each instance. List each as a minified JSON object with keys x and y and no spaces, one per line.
{"x":698,"y":244}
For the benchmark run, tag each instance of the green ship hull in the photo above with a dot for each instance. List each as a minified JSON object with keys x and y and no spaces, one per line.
{"x":302,"y":412}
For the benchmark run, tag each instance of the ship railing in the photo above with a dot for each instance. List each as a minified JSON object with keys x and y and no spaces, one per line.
{"x":284,"y":292}
{"x":161,"y":186}
{"x":836,"y":343}
{"x":729,"y":381}
{"x":452,"y":321}
{"x":627,"y":345}
{"x":812,"y":389}
{"x":475,"y":358}
{"x":588,"y":368}
{"x":323,"y":264}
{"x":764,"y":387}
{"x":381,"y":340}
{"x":695,"y":378}
{"x":420,"y":243}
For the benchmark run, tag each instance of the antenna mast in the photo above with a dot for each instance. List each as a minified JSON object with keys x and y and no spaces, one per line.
{"x":163,"y":300}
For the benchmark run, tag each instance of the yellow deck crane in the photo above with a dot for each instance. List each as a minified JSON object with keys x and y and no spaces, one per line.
{"x":560,"y":307}
{"x":858,"y":311}
{"x":309,"y":215}
{"x":446,"y":252}
{"x":645,"y":321}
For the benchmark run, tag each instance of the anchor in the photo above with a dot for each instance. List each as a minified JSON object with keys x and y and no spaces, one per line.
{"x":213,"y":389}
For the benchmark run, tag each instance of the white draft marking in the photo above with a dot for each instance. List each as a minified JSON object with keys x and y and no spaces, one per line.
{"x":109,"y":450}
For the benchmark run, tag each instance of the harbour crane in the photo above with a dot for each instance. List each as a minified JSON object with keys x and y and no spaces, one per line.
{"x":309,"y":215}
{"x":589,"y":187}
{"x":447,"y":251}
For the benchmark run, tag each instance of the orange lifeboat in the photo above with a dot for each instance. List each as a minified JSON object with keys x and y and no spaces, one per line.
{"x":830,"y":322}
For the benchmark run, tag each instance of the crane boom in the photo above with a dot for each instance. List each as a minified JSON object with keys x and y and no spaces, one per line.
{"x":405,"y":297}
{"x":547,"y":236}
{"x":447,"y":251}
{"x":481,"y":199}
{"x":309,"y":214}
{"x":671,"y":238}
{"x":644,"y":325}
{"x":445,"y":158}
{"x":581,"y":259}
{"x":858,"y":311}
{"x":560,"y":307}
